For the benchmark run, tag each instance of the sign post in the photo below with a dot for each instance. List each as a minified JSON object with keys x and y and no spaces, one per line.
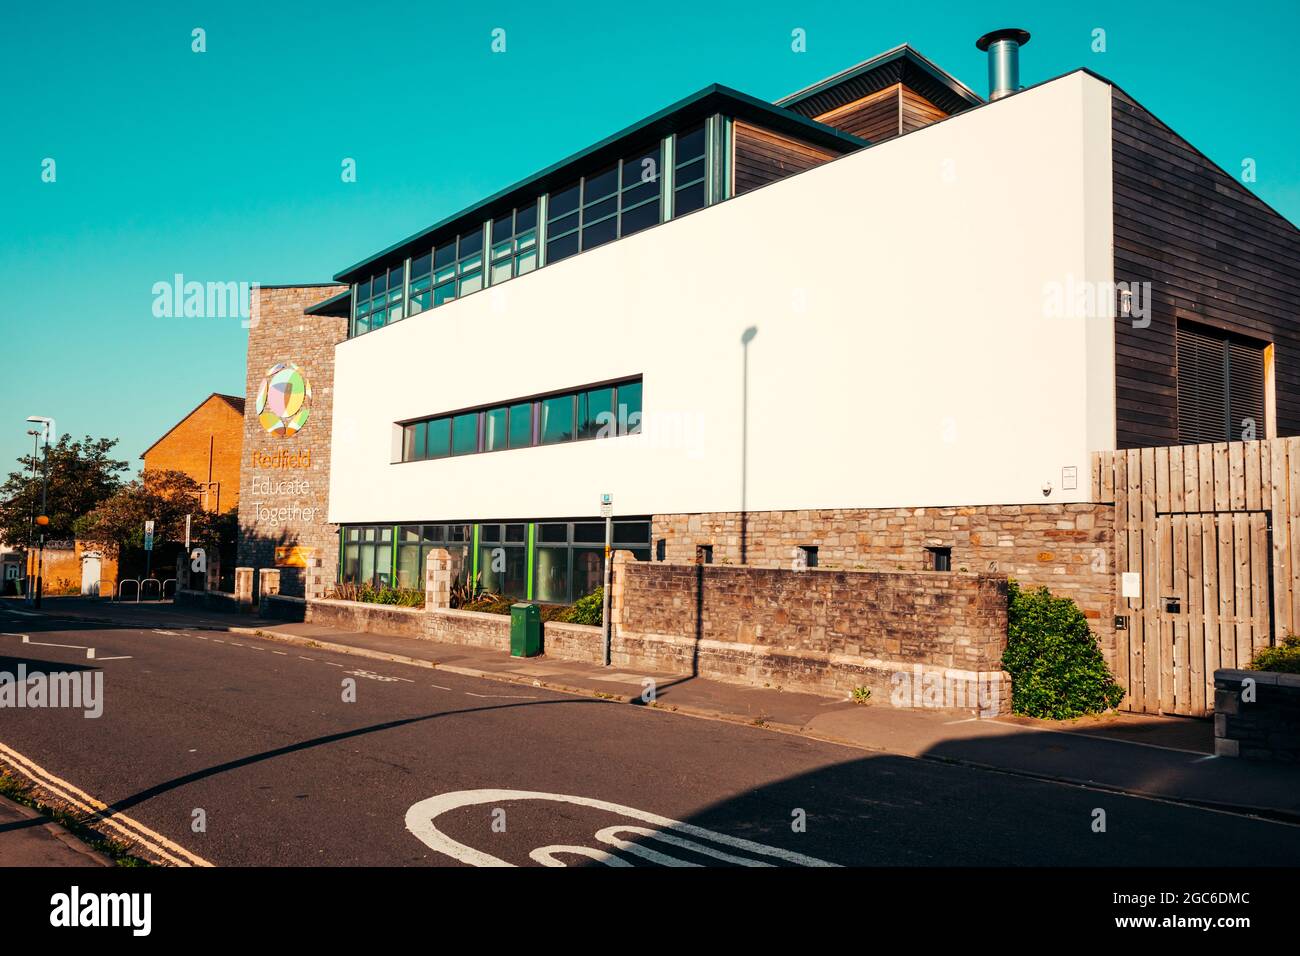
{"x":606,"y":512}
{"x":148,"y":547}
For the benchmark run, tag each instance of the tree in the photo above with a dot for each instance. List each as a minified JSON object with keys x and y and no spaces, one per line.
{"x":163,"y":497}
{"x":80,"y":474}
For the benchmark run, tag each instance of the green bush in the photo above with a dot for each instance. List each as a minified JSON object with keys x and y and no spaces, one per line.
{"x":1057,"y":671}
{"x":367,"y":593}
{"x":488,"y":603}
{"x":400,"y":597}
{"x":1284,"y":659}
{"x":586,"y":610}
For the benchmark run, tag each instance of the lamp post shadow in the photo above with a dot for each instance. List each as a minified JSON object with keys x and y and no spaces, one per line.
{"x":745,"y":338}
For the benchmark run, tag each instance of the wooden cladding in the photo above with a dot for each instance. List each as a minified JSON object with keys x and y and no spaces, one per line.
{"x":761,"y":156}
{"x":1213,"y":532}
{"x":917,"y":111}
{"x":1215,"y":256}
{"x":884,"y":114}
{"x":874,"y":117}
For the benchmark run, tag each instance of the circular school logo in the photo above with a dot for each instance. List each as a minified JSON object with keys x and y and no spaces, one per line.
{"x":284,"y":400}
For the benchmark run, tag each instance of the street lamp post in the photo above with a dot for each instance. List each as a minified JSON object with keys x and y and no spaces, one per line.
{"x":31,"y":523}
{"x":42,"y":519}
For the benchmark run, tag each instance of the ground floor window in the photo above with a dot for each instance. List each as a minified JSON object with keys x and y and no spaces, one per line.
{"x":551,"y":562}
{"x":414,"y":542}
{"x":367,"y":556}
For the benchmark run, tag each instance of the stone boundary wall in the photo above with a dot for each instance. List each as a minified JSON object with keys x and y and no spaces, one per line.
{"x":1066,"y":547}
{"x":818,"y":630}
{"x":1265,"y":728}
{"x":915,"y":639}
{"x":469,"y":628}
{"x":213,"y":600}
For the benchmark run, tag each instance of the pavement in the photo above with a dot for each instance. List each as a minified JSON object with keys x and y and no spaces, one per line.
{"x":29,"y":839}
{"x":921,"y":773}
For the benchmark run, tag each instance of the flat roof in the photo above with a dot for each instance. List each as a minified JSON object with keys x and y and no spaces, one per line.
{"x":712,"y":99}
{"x":335,"y":306}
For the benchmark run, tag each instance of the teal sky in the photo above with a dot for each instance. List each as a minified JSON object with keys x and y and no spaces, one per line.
{"x":225,"y":165}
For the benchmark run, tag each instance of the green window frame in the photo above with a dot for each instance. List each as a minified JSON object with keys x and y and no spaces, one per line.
{"x":458,"y":266}
{"x":379,"y":300}
{"x":604,"y":410}
{"x":420,"y":294}
{"x":690,"y":170}
{"x":514,"y":244}
{"x":368,"y":555}
{"x":614,"y":201}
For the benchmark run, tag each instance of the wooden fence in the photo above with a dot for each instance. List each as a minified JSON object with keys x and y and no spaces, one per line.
{"x":1206,"y":539}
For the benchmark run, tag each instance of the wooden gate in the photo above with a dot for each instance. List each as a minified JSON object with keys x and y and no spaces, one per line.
{"x":1204,"y":575}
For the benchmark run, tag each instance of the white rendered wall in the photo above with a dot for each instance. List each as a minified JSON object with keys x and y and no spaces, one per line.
{"x":902,"y":357}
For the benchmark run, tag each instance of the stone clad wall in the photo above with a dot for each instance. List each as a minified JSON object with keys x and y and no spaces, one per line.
{"x":282,"y":333}
{"x":1065,"y":547}
{"x":820,"y":630}
{"x":1266,"y":727}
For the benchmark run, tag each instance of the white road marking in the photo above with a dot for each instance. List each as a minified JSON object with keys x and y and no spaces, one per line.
{"x":421,"y":816}
{"x":545,"y":855}
{"x":301,"y":658}
{"x":77,"y":647}
{"x":470,"y":693}
{"x":99,"y":812}
{"x":21,"y":613}
{"x":125,"y":657}
{"x":281,"y":653}
{"x":371,"y":675}
{"x":440,"y":687}
{"x":167,"y":633}
{"x":610,"y":835}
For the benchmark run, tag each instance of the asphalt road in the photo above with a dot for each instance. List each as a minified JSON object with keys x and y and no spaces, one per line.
{"x":258,"y":736}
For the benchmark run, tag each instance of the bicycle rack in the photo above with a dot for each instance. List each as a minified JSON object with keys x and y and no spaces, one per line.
{"x":123,"y":583}
{"x":149,"y":581}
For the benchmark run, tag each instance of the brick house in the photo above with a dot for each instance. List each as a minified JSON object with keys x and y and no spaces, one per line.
{"x":205,"y":445}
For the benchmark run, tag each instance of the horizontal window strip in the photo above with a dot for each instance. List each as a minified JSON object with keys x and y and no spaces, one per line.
{"x":622,"y":199}
{"x":603,"y":410}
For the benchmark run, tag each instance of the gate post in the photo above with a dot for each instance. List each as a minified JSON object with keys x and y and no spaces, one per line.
{"x":244,"y":588}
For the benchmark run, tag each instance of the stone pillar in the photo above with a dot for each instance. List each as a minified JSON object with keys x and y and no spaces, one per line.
{"x":617,"y":581}
{"x":244,"y":588}
{"x":316,"y":586}
{"x":213,"y":557}
{"x":441,"y":569}
{"x":268,"y":583}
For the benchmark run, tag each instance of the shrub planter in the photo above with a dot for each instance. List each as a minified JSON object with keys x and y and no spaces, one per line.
{"x":1257,"y":715}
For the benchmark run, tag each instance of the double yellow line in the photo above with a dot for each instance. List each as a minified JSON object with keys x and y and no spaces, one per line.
{"x":97,"y":812}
